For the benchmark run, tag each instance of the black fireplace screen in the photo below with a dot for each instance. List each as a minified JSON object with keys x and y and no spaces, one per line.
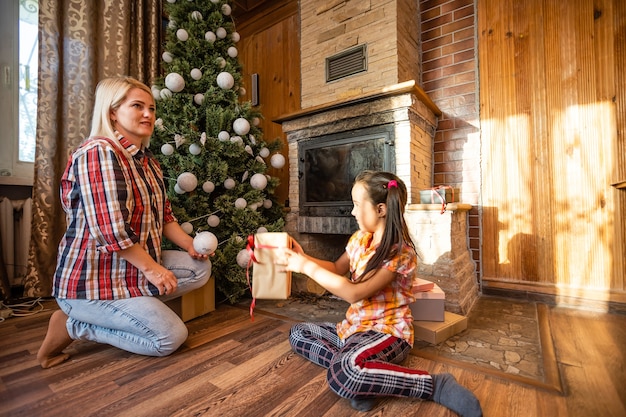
{"x":329,"y":164}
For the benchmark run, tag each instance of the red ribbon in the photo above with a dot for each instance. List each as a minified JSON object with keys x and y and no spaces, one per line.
{"x":444,"y":203}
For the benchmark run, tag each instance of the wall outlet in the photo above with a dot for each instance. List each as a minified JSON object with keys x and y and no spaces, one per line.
{"x":5,"y":313}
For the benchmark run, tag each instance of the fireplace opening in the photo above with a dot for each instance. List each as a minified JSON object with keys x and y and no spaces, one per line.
{"x":327,"y":166}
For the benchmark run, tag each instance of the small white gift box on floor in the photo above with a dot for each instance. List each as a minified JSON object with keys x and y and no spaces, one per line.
{"x":429,"y":305}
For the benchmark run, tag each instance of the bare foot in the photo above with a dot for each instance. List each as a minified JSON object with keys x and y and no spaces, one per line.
{"x":51,"y":350}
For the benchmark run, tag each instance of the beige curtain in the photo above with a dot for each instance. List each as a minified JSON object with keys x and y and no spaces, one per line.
{"x":80,"y":42}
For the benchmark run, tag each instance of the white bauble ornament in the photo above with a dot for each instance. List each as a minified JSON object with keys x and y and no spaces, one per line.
{"x":229,"y":183}
{"x":182,"y":35}
{"x":215,"y":1}
{"x":242,"y":91}
{"x":221,"y":62}
{"x":267,"y":203}
{"x":249,"y":150}
{"x":261,"y":229}
{"x":256,"y":121}
{"x":241,"y":126}
{"x":178,"y":190}
{"x":187,"y":227}
{"x":187,"y":181}
{"x":223,"y":136}
{"x":208,"y":187}
{"x":196,"y":16}
{"x":238,"y":239}
{"x":225,"y":80}
{"x":196,"y":74}
{"x":235,"y":37}
{"x":210,"y":36}
{"x":277,"y":160}
{"x":174,"y":82}
{"x":203,"y":138}
{"x":244,"y":176}
{"x":205,"y":243}
{"x":259,"y":159}
{"x":213,"y":220}
{"x":167,"y":57}
{"x":158,"y":124}
{"x":237,"y":140}
{"x":195,"y":149}
{"x":226,"y":10}
{"x":156,"y":93}
{"x":258,"y":181}
{"x":252,"y":139}
{"x":198,"y":99}
{"x":221,"y":33}
{"x":232,"y":52}
{"x":243,"y":258}
{"x":264,"y":152}
{"x":167,"y":149}
{"x":165,"y":93}
{"x":171,"y":1}
{"x":172,"y":24}
{"x":241,"y":203}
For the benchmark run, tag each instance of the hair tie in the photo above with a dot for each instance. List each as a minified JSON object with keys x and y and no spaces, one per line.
{"x":392,"y":184}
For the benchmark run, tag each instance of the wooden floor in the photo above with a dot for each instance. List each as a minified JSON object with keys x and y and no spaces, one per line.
{"x":231,"y":366}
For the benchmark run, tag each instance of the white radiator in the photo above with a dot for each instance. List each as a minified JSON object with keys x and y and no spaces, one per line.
{"x":15,"y":218}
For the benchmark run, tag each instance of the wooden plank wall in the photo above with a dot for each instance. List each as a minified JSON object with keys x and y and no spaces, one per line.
{"x":270,"y":48}
{"x":553,"y":117}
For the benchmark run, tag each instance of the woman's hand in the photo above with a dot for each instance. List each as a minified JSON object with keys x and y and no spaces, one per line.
{"x":163,"y":279}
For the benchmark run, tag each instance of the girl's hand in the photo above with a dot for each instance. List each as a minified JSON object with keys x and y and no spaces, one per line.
{"x":291,"y":260}
{"x":295,"y":246}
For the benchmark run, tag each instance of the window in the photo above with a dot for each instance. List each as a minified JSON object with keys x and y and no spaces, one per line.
{"x":18,"y":83}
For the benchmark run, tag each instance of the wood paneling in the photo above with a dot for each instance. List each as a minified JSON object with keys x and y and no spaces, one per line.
{"x":552,"y":120}
{"x":270,"y":47}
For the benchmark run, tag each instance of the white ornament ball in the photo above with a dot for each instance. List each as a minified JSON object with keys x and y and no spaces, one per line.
{"x":277,"y":160}
{"x":167,"y":149}
{"x":225,"y":80}
{"x":213,"y":220}
{"x":208,"y":187}
{"x":195,"y":149}
{"x":264,"y":152}
{"x":238,"y":239}
{"x":243,"y":258}
{"x":156,"y":93}
{"x":256,"y":121}
{"x":237,"y":140}
{"x":171,"y":1}
{"x":221,"y":62}
{"x":252,"y":139}
{"x":196,"y":16}
{"x":187,"y":227}
{"x":242,"y":91}
{"x":210,"y":37}
{"x":198,"y":99}
{"x":226,"y":9}
{"x":221,"y":33}
{"x":232,"y":52}
{"x":229,"y":183}
{"x":235,"y":37}
{"x":196,"y":74}
{"x":248,"y":149}
{"x":172,"y":24}
{"x":258,"y":181}
{"x":205,"y":243}
{"x":241,"y":126}
{"x":187,"y":181}
{"x":174,"y":82}
{"x":267,"y":203}
{"x":178,"y":190}
{"x":241,"y":203}
{"x":165,"y":93}
{"x":215,"y":1}
{"x":223,"y":136}
{"x":261,"y":230}
{"x":182,"y":35}
{"x":167,"y":57}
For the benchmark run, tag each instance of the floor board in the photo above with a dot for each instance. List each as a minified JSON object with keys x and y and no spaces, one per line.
{"x":232,"y":366}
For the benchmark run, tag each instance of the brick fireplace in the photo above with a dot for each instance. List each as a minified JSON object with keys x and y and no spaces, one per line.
{"x":388,"y":96}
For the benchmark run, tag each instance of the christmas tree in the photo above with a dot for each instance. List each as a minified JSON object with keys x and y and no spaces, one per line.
{"x":209,"y":145}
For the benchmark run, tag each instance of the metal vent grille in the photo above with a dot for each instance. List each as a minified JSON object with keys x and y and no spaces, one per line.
{"x":348,"y":62}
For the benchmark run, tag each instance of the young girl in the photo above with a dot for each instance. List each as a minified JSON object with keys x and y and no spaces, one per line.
{"x":362,"y":352}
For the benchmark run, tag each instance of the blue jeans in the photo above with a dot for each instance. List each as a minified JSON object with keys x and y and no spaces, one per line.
{"x":142,"y":325}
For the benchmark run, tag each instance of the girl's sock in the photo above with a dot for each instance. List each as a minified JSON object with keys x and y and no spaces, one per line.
{"x":448,"y":392}
{"x":365,"y":404}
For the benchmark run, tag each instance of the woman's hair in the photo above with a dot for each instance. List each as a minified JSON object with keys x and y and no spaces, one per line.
{"x":110,"y":94}
{"x":387,"y":188}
